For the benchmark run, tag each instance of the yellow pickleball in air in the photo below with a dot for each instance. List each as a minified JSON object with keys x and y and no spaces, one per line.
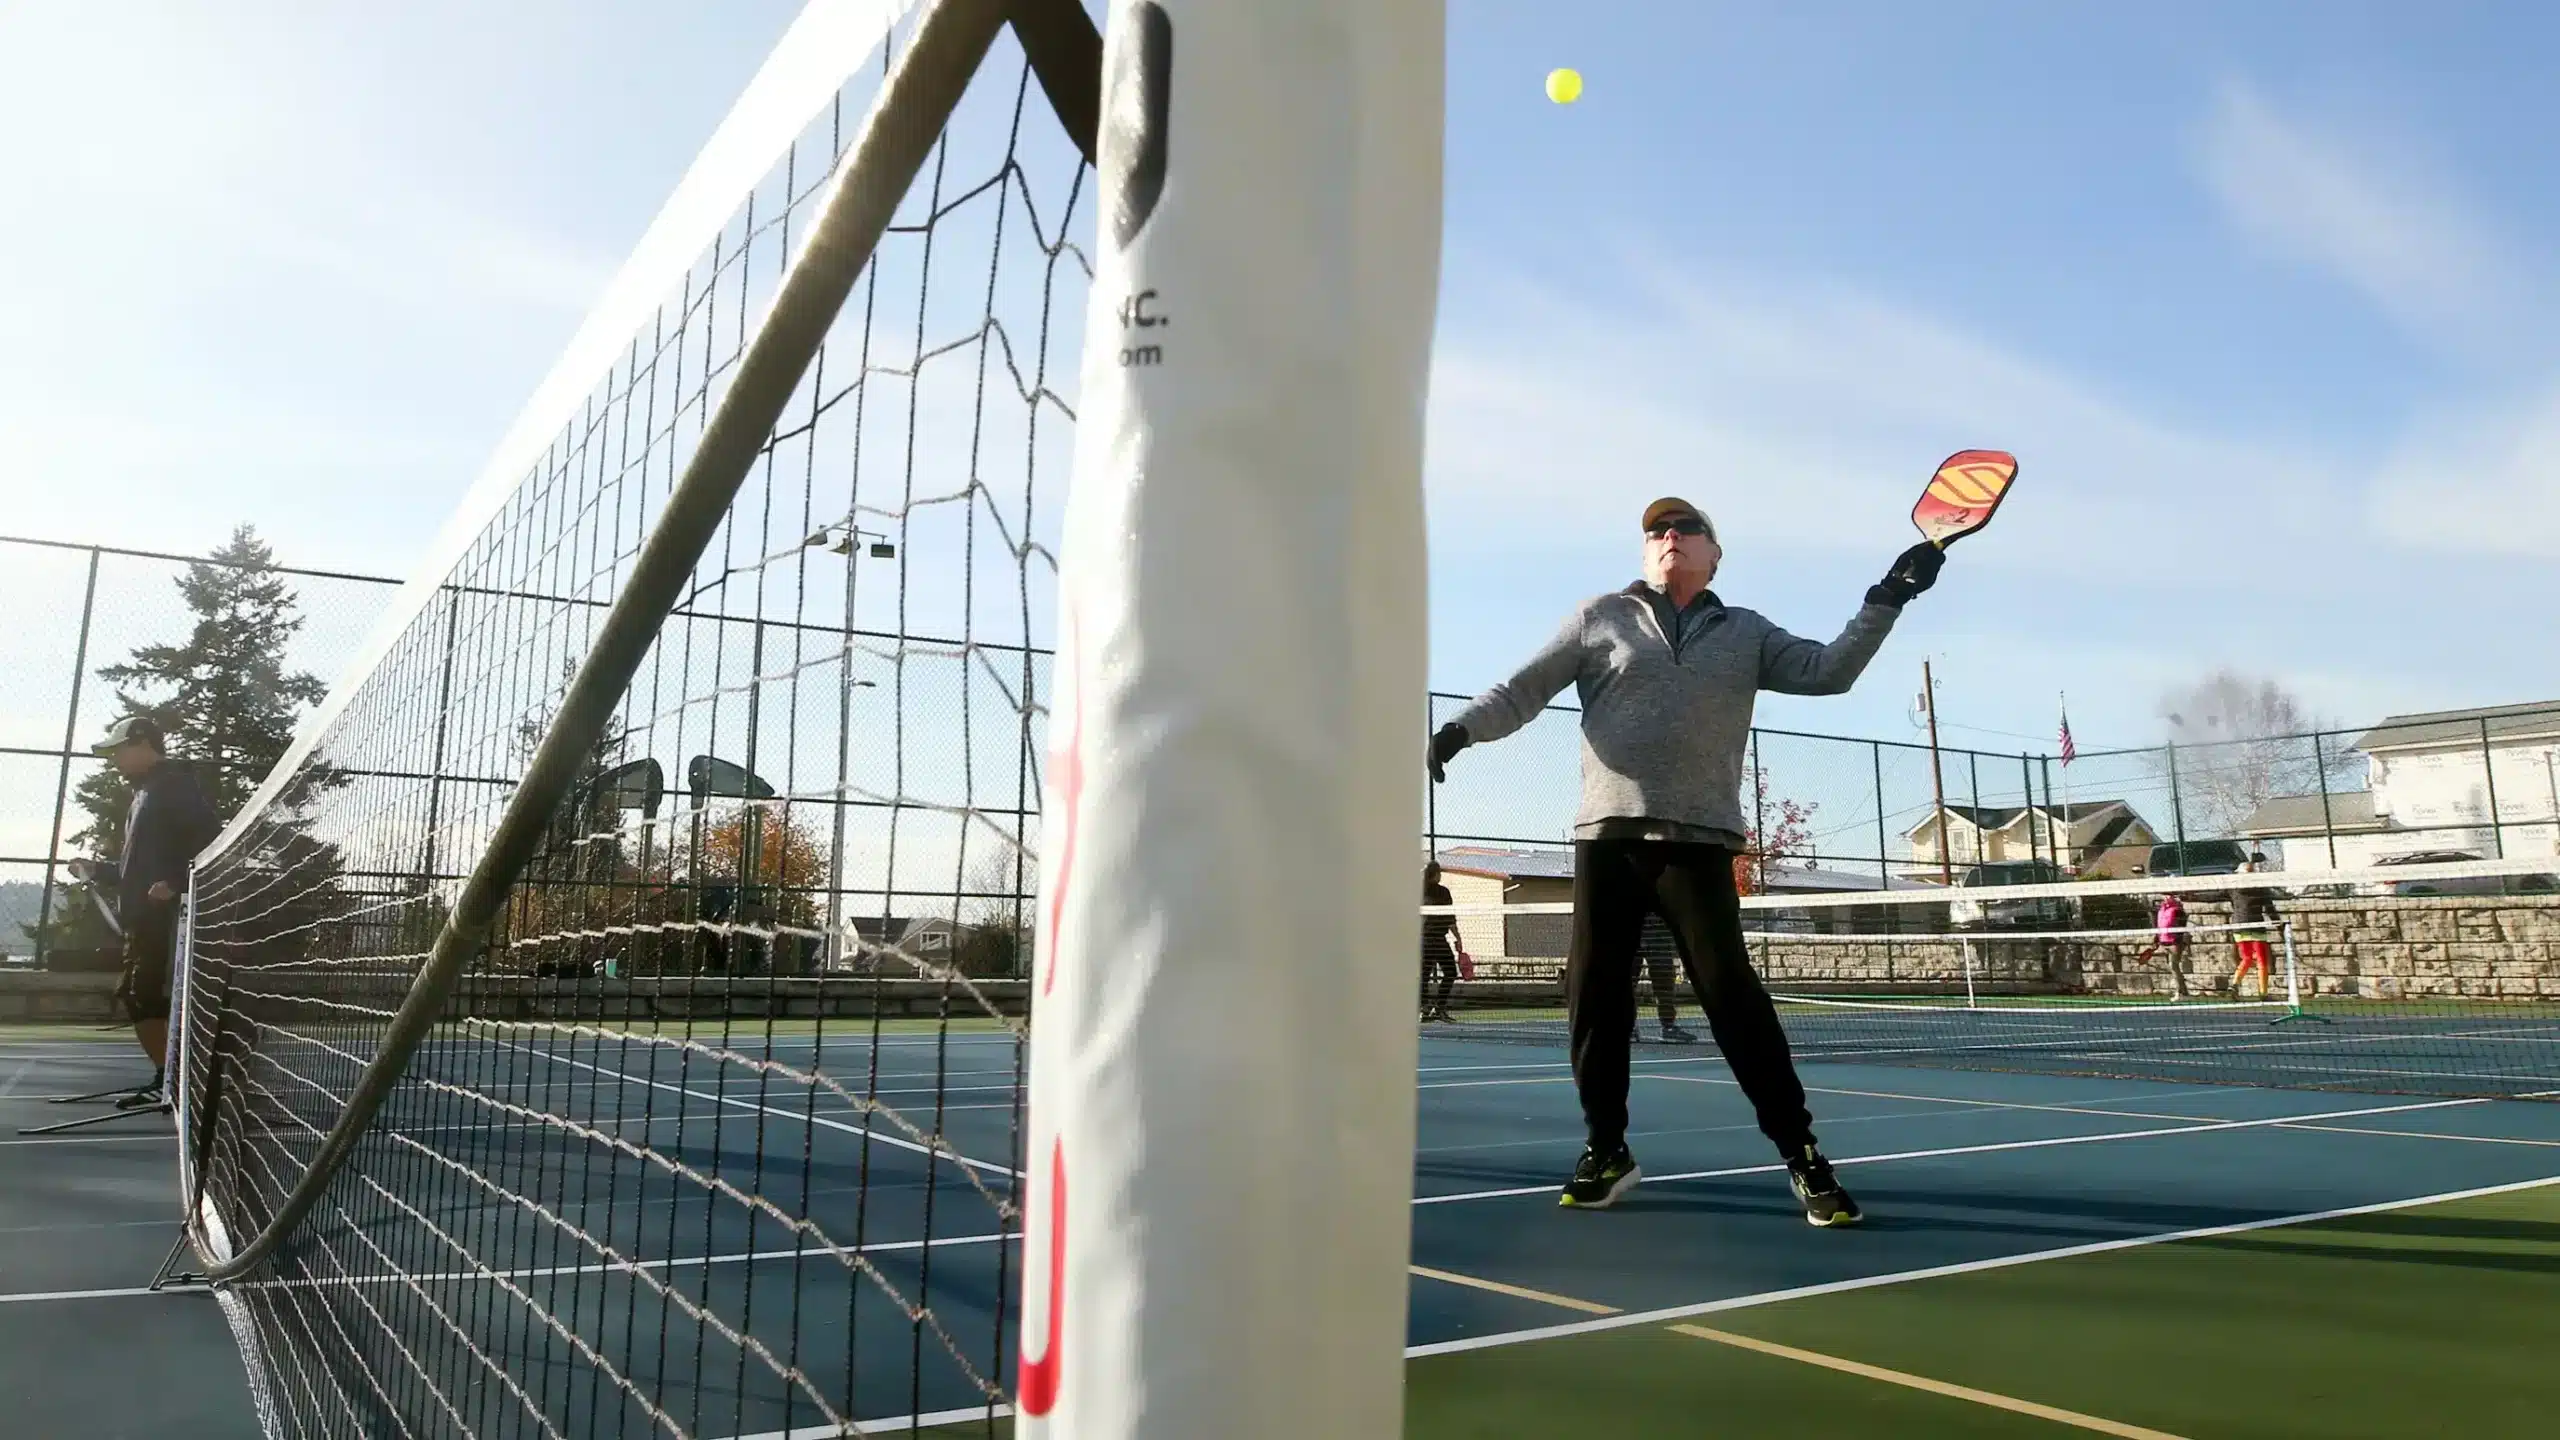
{"x":1564,"y":86}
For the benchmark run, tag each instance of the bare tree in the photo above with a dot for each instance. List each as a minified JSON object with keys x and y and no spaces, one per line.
{"x":996,"y":912}
{"x":2238,"y":741}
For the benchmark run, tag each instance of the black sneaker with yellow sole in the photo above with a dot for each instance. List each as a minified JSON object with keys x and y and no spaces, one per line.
{"x":1826,"y":1202}
{"x":1600,"y":1178}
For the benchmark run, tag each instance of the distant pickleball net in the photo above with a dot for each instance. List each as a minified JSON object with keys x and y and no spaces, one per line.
{"x":2436,"y":979}
{"x":606,"y":1021}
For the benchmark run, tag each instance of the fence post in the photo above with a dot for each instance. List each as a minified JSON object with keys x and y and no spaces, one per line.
{"x":1759,"y":819}
{"x":2027,"y":801}
{"x":2177,"y":809}
{"x":2059,"y":830}
{"x":436,"y":756}
{"x":2328,"y":823}
{"x":2489,"y":777}
{"x":1430,"y":788}
{"x":1875,"y":753}
{"x":70,"y":739}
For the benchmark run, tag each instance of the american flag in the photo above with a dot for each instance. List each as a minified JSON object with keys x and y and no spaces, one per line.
{"x":2069,"y":750}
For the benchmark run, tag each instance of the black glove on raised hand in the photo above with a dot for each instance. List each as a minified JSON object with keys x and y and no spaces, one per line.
{"x":1451,"y":739}
{"x":1914,"y":571}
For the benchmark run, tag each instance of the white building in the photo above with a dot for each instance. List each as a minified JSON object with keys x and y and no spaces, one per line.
{"x":2433,"y":782}
{"x":1492,"y":882}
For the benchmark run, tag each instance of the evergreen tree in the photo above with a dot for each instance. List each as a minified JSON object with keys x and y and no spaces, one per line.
{"x":223,"y":696}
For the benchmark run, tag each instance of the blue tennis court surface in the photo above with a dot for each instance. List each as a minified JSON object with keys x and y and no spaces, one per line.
{"x":905,"y":1302}
{"x":1954,"y":1168}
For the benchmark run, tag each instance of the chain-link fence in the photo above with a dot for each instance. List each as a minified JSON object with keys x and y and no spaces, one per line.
{"x":1825,"y":811}
{"x":72,"y":611}
{"x":941,"y":722}
{"x":1830,"y":811}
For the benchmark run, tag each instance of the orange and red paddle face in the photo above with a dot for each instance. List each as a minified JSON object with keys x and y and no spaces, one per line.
{"x":1962,"y":495}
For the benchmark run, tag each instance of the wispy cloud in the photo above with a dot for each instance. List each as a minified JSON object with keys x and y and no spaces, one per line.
{"x":2348,"y":207}
{"x":2478,"y":474}
{"x":1805,"y":415}
{"x":2480,"y":480}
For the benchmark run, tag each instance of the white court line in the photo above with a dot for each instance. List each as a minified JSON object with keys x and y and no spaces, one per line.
{"x":1740,"y":1127}
{"x":2089,"y":1109}
{"x":879,"y":1247}
{"x":34,"y":1296}
{"x":893,"y":1425}
{"x":741,"y":1257}
{"x":72,"y":1049}
{"x":2196,"y":1129}
{"x":872,"y":1133}
{"x":2424,"y":1135}
{"x":1483,"y":1084}
{"x":124,"y":1139}
{"x":1565,"y":1064}
{"x":14,"y":1077}
{"x":1829,"y":1121}
{"x":1963,"y":1267}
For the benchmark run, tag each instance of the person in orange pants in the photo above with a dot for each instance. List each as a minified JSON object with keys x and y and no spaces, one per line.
{"x":2253,"y":907}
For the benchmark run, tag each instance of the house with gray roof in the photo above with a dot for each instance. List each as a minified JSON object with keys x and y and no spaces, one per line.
{"x":2434,"y":782}
{"x":2089,"y":839}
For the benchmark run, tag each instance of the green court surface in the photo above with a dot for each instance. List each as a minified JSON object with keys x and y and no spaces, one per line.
{"x":2433,"y":1320}
{"x":2438,"y":1320}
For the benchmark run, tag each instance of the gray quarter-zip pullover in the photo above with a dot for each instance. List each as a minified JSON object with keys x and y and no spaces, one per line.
{"x":1666,"y":704}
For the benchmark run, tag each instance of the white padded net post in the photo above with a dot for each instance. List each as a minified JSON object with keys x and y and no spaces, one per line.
{"x":1221,"y":1127}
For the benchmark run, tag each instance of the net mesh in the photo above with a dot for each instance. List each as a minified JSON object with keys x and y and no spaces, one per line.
{"x":717,"y":1135}
{"x":2442,"y":979}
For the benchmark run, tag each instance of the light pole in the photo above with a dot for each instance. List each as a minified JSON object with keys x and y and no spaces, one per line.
{"x":880,"y":549}
{"x":1937,"y":776}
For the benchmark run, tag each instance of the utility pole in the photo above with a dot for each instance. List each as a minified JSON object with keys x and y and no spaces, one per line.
{"x":1937,"y":775}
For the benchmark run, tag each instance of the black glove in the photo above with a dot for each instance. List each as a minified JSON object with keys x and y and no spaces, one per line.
{"x":1914,"y":570}
{"x":1451,"y":739}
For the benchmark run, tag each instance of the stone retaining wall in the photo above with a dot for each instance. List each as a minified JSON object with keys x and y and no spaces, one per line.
{"x":2484,"y":947}
{"x":2478,"y":947}
{"x":2471,"y":947}
{"x":77,"y":998}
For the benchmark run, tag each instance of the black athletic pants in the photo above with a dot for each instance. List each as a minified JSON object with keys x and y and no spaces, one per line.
{"x":1443,"y":968}
{"x":1616,"y":884}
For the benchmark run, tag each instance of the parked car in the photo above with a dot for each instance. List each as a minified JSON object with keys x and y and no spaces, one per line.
{"x":2018,"y":914}
{"x":2533,"y":884}
{"x":2198,"y":857}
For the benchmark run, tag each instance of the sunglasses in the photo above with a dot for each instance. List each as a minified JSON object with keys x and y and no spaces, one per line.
{"x":1684,"y":525}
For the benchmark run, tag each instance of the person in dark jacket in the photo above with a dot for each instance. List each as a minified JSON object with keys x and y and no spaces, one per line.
{"x":168,"y":822}
{"x":1667,"y":674}
{"x":2253,"y":907}
{"x":1661,"y":954}
{"x":1439,"y":947}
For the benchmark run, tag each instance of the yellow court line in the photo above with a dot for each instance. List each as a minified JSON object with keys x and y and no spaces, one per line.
{"x":1923,"y":1382}
{"x":1516,"y":1292}
{"x":1810,"y":1357}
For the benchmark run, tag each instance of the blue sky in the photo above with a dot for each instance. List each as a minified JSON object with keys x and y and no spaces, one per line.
{"x":2258,"y":296}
